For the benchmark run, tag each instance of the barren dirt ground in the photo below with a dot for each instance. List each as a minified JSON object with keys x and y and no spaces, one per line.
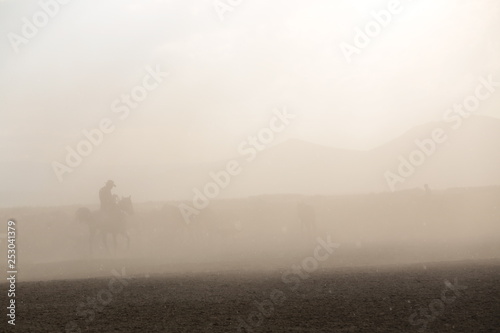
{"x":383,"y":299}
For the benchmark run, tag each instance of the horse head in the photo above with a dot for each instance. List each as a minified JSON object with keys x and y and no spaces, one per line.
{"x":83,"y":215}
{"x":125,"y":204}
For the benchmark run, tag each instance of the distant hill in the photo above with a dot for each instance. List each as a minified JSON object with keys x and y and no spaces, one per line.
{"x":469,"y":157}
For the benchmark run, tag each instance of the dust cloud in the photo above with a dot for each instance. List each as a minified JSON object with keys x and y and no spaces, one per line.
{"x":264,"y":233}
{"x":238,"y":137}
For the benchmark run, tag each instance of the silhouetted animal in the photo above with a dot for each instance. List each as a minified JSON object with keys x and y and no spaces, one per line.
{"x":107,"y":222}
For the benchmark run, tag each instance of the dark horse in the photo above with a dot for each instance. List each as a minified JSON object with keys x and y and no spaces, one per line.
{"x":104,"y":223}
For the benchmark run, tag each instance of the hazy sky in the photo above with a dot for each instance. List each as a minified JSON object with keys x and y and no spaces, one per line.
{"x":225,"y":77}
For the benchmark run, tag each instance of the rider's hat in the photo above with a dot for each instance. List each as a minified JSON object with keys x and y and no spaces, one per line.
{"x":110,"y":182}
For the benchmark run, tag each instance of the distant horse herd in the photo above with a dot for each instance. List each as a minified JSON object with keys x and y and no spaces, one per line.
{"x":105,"y":224}
{"x":210,"y":223}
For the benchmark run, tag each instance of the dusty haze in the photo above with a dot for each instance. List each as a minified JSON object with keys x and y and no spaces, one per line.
{"x":250,"y":166}
{"x":220,"y":123}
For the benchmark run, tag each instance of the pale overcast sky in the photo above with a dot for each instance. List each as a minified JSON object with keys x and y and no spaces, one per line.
{"x":225,"y":77}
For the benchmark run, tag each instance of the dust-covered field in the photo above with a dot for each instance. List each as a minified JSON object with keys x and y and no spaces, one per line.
{"x":255,"y":265}
{"x":438,"y":297}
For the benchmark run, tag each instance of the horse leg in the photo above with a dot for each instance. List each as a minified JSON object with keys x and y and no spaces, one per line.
{"x":114,"y":244}
{"x":127,"y":237}
{"x":105,"y":241}
{"x":91,"y":237}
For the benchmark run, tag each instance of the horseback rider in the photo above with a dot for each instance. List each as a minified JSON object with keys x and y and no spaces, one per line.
{"x":107,"y":198}
{"x":110,"y":219}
